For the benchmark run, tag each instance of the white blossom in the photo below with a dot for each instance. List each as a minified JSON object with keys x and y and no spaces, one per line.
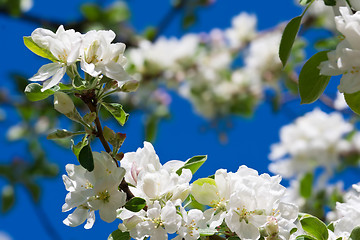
{"x":64,"y":46}
{"x":156,"y":223}
{"x":100,"y":56}
{"x":243,"y":29}
{"x":344,"y":60}
{"x":153,"y":181}
{"x":96,"y":190}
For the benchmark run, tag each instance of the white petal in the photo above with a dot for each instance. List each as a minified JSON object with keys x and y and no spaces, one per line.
{"x":46,"y":71}
{"x":90,"y":220}
{"x":76,"y":218}
{"x":54,"y":80}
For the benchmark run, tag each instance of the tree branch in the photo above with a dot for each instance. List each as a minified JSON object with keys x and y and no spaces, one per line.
{"x":89,"y":98}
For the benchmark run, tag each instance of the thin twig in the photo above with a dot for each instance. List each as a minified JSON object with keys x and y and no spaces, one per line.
{"x":89,"y":98}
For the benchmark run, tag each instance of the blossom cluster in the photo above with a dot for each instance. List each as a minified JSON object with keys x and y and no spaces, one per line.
{"x":201,"y":67}
{"x":247,"y":204}
{"x":98,"y":57}
{"x":243,"y":204}
{"x":314,"y":140}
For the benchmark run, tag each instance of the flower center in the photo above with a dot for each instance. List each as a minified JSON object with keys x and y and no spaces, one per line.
{"x":104,"y":196}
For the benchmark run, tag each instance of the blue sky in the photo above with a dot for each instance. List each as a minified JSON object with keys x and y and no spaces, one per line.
{"x":178,"y":138}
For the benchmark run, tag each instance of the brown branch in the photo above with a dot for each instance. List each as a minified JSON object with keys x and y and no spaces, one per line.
{"x":89,"y":98}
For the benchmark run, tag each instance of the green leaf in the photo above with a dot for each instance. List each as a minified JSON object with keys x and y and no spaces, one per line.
{"x":288,"y":38}
{"x":79,"y":83}
{"x":207,"y":231}
{"x":314,"y":227}
{"x":151,"y":125}
{"x":77,"y":148}
{"x":7,"y":198}
{"x":193,"y":164}
{"x":86,"y":158}
{"x":34,"y":190}
{"x":189,"y":20}
{"x":117,"y":111}
{"x":306,"y":185}
{"x":89,"y":117}
{"x":119,"y":235}
{"x":91,"y":11}
{"x":330,"y":226}
{"x":62,"y":133}
{"x":352,"y":99}
{"x":330,"y":2}
{"x":305,"y":237}
{"x":118,"y":12}
{"x":33,"y":92}
{"x":135,"y":204}
{"x":355,"y":233}
{"x":32,"y":46}
{"x":311,"y":83}
{"x":304,"y":2}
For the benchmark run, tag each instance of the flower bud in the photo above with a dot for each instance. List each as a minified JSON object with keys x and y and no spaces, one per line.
{"x":130,"y":86}
{"x":63,"y":103}
{"x":205,"y":191}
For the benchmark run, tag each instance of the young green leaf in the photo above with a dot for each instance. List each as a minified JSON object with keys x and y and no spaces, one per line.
{"x":193,"y":164}
{"x":32,"y":46}
{"x":62,"y":133}
{"x":330,"y":2}
{"x":304,"y":2}
{"x":306,"y":185}
{"x":7,"y":198}
{"x":86,"y":158}
{"x":355,"y":233}
{"x":288,"y":38}
{"x":311,"y":83}
{"x":135,"y":204}
{"x":305,"y":237}
{"x":33,"y":92}
{"x":353,"y":101}
{"x":151,"y":125}
{"x":119,"y":235}
{"x":314,"y":227}
{"x":76,"y":148}
{"x":117,"y":111}
{"x":208,"y":232}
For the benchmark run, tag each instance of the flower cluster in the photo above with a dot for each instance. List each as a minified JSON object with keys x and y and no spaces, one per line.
{"x":97,"y":55}
{"x":312,"y":141}
{"x":247,"y":204}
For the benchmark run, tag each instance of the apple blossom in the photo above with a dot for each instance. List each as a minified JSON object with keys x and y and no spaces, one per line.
{"x":96,"y":190}
{"x":343,"y":60}
{"x":100,"y":56}
{"x":64,"y":45}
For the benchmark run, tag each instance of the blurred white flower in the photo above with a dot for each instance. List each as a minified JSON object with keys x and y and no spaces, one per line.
{"x":314,"y":140}
{"x":243,"y":29}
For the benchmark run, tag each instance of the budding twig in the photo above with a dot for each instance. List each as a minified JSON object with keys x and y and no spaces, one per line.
{"x":89,"y":98}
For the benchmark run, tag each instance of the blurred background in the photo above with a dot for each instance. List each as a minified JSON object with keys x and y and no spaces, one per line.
{"x":31,"y":166}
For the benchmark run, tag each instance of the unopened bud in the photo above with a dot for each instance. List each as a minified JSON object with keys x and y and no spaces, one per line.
{"x":63,"y":103}
{"x":130,"y":86}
